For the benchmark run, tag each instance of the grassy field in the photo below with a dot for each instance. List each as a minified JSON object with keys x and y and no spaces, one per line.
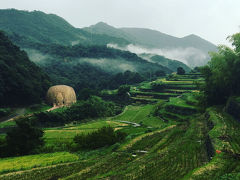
{"x":59,"y":138}
{"x":33,"y":161}
{"x":141,"y":114}
{"x":226,"y":140}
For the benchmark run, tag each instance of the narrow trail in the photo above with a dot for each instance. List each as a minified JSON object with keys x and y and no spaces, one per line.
{"x":53,"y":108}
{"x":128,"y":122}
{"x":16,"y":114}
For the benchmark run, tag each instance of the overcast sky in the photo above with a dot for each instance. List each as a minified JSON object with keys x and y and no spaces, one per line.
{"x":213,"y":20}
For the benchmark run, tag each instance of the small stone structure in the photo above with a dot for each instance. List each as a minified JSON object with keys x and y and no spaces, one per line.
{"x":61,"y":95}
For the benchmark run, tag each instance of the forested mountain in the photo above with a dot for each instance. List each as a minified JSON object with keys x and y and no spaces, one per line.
{"x":169,"y":63}
{"x":73,"y":56}
{"x":21,"y":81}
{"x":91,"y":67}
{"x":26,"y":27}
{"x":192,"y":48}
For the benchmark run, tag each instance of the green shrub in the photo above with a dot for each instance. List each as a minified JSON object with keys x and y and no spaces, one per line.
{"x":4,"y":112}
{"x":94,"y":107}
{"x":105,"y":136}
{"x":23,"y":139}
{"x":233,"y":107}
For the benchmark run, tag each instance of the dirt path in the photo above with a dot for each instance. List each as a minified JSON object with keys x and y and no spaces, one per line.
{"x":53,"y":108}
{"x":17,"y":113}
{"x":128,"y":122}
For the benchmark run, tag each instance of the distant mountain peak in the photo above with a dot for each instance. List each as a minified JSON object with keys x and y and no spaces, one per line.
{"x":101,"y":25}
{"x":192,"y":36}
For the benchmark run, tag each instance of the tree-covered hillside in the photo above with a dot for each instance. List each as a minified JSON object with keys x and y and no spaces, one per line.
{"x":24,"y":27}
{"x":21,"y":81}
{"x":169,"y":63}
{"x":92,"y":66}
{"x":70,"y":55}
{"x":222,"y":74}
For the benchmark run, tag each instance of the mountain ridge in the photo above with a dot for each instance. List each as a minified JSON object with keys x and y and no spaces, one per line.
{"x":191,"y":48}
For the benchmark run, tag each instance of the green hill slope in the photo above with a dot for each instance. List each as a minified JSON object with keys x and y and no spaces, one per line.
{"x":171,"y":64}
{"x":21,"y":81}
{"x":25,"y":27}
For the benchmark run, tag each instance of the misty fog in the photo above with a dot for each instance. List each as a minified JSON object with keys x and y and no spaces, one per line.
{"x":190,"y":56}
{"x":106,"y":64}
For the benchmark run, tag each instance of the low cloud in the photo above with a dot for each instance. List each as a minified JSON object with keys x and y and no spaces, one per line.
{"x":190,"y":55}
{"x":109,"y":65}
{"x":37,"y":57}
{"x":106,"y":64}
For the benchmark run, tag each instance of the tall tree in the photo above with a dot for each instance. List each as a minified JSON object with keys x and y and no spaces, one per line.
{"x":24,"y":138}
{"x":222,"y":73}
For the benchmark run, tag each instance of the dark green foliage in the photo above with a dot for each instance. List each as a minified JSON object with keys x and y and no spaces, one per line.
{"x":123,"y":90}
{"x":222,"y":74}
{"x":230,"y":176}
{"x":233,"y":107}
{"x":158,"y":87}
{"x":21,"y":81}
{"x":86,"y":93}
{"x":4,"y":112}
{"x":94,"y":107}
{"x":180,"y":71}
{"x":196,"y":70}
{"x":24,"y":138}
{"x":47,"y":119}
{"x":78,"y":76}
{"x":127,"y":77}
{"x":105,"y":136}
{"x":3,"y":146}
{"x":171,"y":64}
{"x":180,"y":110}
{"x":157,"y":108}
{"x":160,"y":73}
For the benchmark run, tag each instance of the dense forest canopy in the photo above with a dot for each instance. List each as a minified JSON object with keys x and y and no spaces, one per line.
{"x":222,"y":74}
{"x":94,"y":67}
{"x":21,"y":81}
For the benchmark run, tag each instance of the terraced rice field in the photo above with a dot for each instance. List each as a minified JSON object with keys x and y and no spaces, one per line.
{"x":174,"y":142}
{"x":172,"y":88}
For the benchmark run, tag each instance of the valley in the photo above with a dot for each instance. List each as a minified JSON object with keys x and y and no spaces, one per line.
{"x":106,"y":102}
{"x":173,"y":140}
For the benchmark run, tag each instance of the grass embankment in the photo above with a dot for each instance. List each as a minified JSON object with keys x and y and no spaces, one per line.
{"x":173,"y":87}
{"x":34,"y":161}
{"x":226,"y":141}
{"x":6,"y":124}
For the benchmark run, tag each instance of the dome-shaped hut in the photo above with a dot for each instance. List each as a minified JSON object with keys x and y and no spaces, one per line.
{"x":61,"y":95}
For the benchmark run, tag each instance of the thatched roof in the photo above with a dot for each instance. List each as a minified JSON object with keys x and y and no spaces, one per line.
{"x":61,"y":95}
